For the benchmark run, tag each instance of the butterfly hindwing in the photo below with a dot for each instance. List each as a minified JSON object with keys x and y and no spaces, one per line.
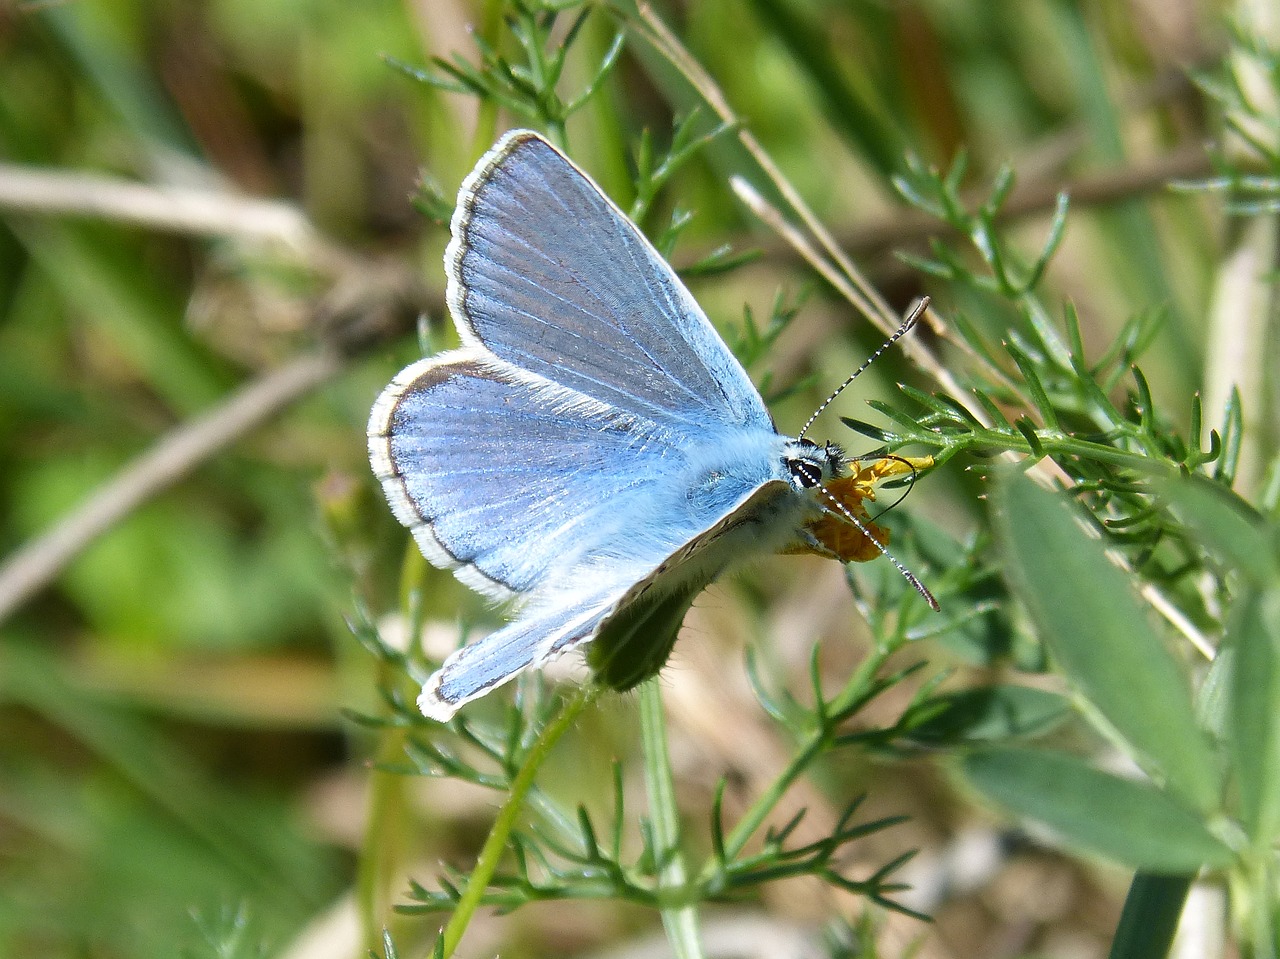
{"x":504,"y":480}
{"x":632,"y":622}
{"x":479,"y":667}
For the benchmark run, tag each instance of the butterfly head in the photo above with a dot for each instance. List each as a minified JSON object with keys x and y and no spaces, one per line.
{"x":810,"y":465}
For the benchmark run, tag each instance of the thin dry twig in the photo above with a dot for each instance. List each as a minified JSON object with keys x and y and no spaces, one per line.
{"x":853,"y":285}
{"x":363,"y":306}
{"x":1177,"y":619}
{"x":910,"y":227}
{"x":174,"y":209}
{"x":865,"y":297}
{"x":772,"y":218}
{"x":37,"y":563}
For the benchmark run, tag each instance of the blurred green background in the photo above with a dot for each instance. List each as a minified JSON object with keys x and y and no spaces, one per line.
{"x":173,"y":761}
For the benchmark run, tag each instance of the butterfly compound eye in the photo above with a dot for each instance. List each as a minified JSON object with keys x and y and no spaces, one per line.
{"x":806,"y":475}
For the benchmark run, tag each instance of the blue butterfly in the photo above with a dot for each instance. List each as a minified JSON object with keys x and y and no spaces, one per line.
{"x":593,"y":451}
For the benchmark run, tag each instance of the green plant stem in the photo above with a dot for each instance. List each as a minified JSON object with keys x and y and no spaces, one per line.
{"x":769,"y":799}
{"x":500,"y":835}
{"x":486,"y":129}
{"x":679,"y":919}
{"x":1052,"y":443}
{"x":384,"y":837}
{"x":818,"y":740}
{"x":1252,"y":888}
{"x":1150,"y":916}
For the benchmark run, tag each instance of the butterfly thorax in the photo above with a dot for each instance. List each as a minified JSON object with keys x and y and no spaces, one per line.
{"x":752,"y":492}
{"x":748,"y":493}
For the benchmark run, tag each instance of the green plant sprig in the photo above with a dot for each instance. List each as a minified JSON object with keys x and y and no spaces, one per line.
{"x":1245,"y":88}
{"x":1041,"y":395}
{"x":562,"y":856}
{"x":652,"y":172}
{"x":752,"y":341}
{"x":527,"y":86}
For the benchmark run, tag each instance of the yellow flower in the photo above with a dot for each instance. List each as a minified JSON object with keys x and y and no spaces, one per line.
{"x":836,"y":536}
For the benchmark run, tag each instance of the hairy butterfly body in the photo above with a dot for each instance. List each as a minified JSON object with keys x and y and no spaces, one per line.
{"x":593,"y":452}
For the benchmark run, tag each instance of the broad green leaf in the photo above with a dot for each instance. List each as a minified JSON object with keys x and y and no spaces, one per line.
{"x":1094,"y":627}
{"x":1131,"y":822}
{"x":987,"y":714}
{"x":1255,"y":713}
{"x":1150,"y":917}
{"x":1213,"y":698}
{"x":1227,"y":526}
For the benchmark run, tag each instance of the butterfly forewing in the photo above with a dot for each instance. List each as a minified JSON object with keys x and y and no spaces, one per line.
{"x":551,"y":277}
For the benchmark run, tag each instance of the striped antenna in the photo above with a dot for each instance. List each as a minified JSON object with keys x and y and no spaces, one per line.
{"x":911,"y":577}
{"x":913,"y":315}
